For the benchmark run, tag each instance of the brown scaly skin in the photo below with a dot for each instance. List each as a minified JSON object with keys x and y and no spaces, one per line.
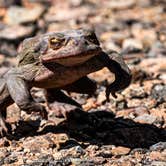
{"x":56,"y":61}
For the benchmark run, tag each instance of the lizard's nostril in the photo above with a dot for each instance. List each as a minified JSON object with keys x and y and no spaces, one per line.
{"x":76,"y":42}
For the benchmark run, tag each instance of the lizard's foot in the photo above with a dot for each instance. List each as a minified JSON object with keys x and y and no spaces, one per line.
{"x":39,"y":109}
{"x":62,"y":110}
{"x":3,"y":127}
{"x":43,"y":113}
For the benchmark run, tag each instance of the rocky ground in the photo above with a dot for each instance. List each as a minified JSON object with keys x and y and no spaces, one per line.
{"x":127,"y":131}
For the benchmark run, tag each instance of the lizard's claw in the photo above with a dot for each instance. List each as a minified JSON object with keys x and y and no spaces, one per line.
{"x":42,"y":111}
{"x":108,"y":91}
{"x":39,"y":109}
{"x":44,"y":114}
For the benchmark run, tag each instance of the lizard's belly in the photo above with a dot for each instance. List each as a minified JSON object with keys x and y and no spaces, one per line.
{"x":54,"y":76}
{"x":59,"y":77}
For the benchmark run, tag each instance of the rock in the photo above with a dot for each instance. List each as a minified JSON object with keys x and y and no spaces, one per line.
{"x":138,"y":74}
{"x":106,"y":151}
{"x":3,"y":153}
{"x":146,"y":36}
{"x":161,"y":33}
{"x":158,"y":147}
{"x":132,"y":45}
{"x":76,"y":3}
{"x":4,"y":142}
{"x":37,"y":144}
{"x":120,"y":150}
{"x":159,"y":112}
{"x":146,"y":102}
{"x":146,"y":119}
{"x":158,"y":163}
{"x":79,"y":161}
{"x":109,"y":45}
{"x":44,"y":159}
{"x":163,"y":77}
{"x":124,"y":113}
{"x":154,"y":65}
{"x":157,"y":156}
{"x":133,"y":112}
{"x":123,"y":162}
{"x":2,"y":59}
{"x":99,"y":161}
{"x":20,"y":15}
{"x":59,"y":139}
{"x":102,"y":75}
{"x":13,"y":114}
{"x":91,"y":148}
{"x":7,"y":48}
{"x":105,"y":154}
{"x":141,"y":110}
{"x":139,"y":150}
{"x":54,"y":27}
{"x":157,"y":50}
{"x":121,"y":104}
{"x":4,"y":3}
{"x":143,"y":3}
{"x":120,"y":4}
{"x":10,"y":160}
{"x":159,"y":93}
{"x":76,"y":151}
{"x":16,"y":32}
{"x":91,"y":103}
{"x":101,"y":98}
{"x":138,"y":92}
{"x":66,"y":14}
{"x":116,"y":36}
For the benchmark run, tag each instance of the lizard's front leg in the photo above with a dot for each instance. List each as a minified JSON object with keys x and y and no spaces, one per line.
{"x":20,"y":93}
{"x":5,"y":101}
{"x":115,"y":63}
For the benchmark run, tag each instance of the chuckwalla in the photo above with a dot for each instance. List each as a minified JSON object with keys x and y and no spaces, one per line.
{"x":56,"y":61}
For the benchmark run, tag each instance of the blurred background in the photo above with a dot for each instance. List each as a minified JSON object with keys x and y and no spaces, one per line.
{"x":130,"y":26}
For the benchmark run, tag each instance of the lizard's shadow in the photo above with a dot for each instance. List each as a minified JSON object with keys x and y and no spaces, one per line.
{"x":99,"y":127}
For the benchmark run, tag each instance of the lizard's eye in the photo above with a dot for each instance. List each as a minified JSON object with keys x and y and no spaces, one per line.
{"x":56,"y":43}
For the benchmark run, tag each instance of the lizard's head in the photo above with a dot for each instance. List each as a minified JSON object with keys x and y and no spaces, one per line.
{"x":67,"y":48}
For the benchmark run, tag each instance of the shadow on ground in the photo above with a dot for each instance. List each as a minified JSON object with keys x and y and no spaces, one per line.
{"x":100,"y":127}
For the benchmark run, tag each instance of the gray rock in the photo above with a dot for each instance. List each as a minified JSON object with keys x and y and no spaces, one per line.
{"x":146,"y":118}
{"x":158,"y":163}
{"x":19,"y":15}
{"x":158,"y":147}
{"x":159,"y":93}
{"x":15,"y":32}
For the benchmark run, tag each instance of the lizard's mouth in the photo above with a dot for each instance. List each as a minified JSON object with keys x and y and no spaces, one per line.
{"x":71,"y":59}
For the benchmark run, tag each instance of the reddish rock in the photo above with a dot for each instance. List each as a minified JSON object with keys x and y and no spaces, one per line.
{"x":118,"y":151}
{"x":37,"y":144}
{"x":157,"y":156}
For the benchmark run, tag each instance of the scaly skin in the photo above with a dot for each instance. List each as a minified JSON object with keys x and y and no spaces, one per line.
{"x":55,"y":61}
